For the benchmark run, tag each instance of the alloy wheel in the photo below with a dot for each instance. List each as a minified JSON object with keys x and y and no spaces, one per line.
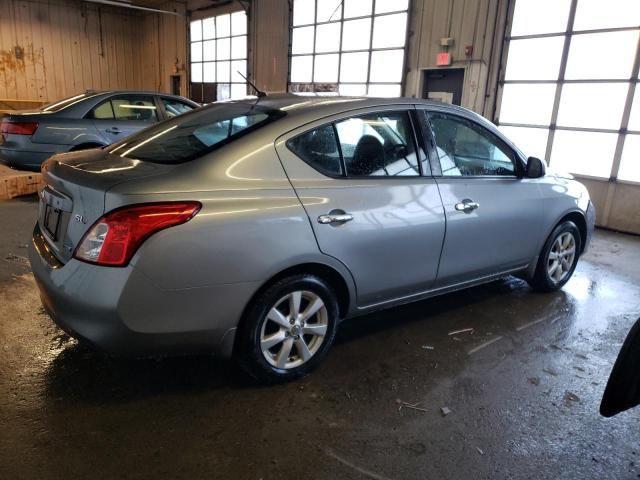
{"x":294,"y":329}
{"x":561,"y":257}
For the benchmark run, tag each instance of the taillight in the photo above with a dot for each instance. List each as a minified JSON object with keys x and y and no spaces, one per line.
{"x":18,"y":128}
{"x":114,"y":238}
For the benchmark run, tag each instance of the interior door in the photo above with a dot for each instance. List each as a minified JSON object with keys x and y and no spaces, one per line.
{"x":360,"y":183}
{"x":123,"y":115}
{"x":492,"y":213}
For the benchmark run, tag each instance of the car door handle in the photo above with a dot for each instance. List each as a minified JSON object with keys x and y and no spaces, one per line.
{"x":334,"y":218}
{"x":466,"y":206}
{"x":115,"y":130}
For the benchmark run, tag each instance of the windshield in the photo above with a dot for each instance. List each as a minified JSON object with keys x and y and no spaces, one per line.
{"x":59,"y":105}
{"x":196,"y":133}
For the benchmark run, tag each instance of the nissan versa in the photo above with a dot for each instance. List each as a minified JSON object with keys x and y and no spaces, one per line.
{"x":252,"y":228}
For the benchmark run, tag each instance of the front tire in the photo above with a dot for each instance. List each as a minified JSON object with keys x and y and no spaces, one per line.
{"x":558,"y":258}
{"x":288,"y":329}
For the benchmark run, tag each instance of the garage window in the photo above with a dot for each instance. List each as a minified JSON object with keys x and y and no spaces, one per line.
{"x":354,"y":47}
{"x":218,"y":52}
{"x":569,"y":83}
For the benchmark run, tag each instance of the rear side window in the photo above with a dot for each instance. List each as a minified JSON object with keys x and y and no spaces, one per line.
{"x":104,"y":111}
{"x":194,"y":134}
{"x":134,"y":108}
{"x":371,"y":145}
{"x":319,"y":149}
{"x":173,"y":108}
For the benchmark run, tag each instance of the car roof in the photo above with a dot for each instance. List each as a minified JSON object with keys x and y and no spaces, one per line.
{"x":324,"y":105}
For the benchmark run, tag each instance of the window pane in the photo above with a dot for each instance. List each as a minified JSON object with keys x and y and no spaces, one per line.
{"x":540,"y":16}
{"x":386,"y":66}
{"x":302,"y":40}
{"x":209,"y":28}
{"x":532,"y":141}
{"x":223,"y":25}
{"x":357,"y":8}
{"x":102,"y":112}
{"x":223,"y":91}
{"x":587,"y":153}
{"x":353,"y":90}
{"x":354,"y":66}
{"x":196,"y":52}
{"x":630,"y":161}
{"x":209,"y":50}
{"x":602,"y":55}
{"x":301,"y":68}
{"x":304,"y":12}
{"x":634,"y":120}
{"x":223,"y":71}
{"x":196,"y":30}
{"x":378,"y":145}
{"x":468,"y":149}
{"x":593,"y":14}
{"x":326,"y":68}
{"x":196,"y":72}
{"x":239,"y":47}
{"x":383,"y":6}
{"x":173,"y":108}
{"x":390,"y":31}
{"x":329,"y":10}
{"x":592,"y":105}
{"x":238,"y":66}
{"x":223,"y":49}
{"x":531,"y":104}
{"x":140,"y":108}
{"x":209,"y":72}
{"x":328,"y":37}
{"x":238,"y":90}
{"x":356,"y":34}
{"x":238,"y":23}
{"x":378,"y":90}
{"x":534,"y":59}
{"x":319,"y":149}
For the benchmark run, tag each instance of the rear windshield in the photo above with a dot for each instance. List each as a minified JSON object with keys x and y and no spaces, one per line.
{"x":60,"y":104}
{"x":196,"y":133}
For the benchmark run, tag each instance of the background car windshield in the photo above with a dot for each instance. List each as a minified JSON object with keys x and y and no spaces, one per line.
{"x":195,"y":134}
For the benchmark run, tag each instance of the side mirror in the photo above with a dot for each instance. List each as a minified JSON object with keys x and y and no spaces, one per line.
{"x":536,"y":168}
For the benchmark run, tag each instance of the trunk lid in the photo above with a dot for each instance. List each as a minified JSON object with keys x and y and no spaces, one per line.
{"x":73,"y":198}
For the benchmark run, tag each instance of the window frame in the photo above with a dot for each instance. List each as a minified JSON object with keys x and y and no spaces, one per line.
{"x":515,"y":155}
{"x":568,"y":34}
{"x":333,"y":119}
{"x":159,"y":113}
{"x":370,"y":49}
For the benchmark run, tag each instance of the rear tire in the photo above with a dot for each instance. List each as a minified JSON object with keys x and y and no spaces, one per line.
{"x":288,"y":329}
{"x":558,"y":258}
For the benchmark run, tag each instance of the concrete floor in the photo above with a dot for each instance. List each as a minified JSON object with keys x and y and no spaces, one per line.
{"x":523,"y":390}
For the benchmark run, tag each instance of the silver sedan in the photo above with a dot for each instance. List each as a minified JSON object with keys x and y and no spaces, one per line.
{"x":252,"y":228}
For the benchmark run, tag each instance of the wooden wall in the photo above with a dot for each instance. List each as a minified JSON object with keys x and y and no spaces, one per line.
{"x":476,"y":23}
{"x":68,"y":46}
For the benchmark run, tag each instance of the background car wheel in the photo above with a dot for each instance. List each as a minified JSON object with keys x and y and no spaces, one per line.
{"x":288,"y":329}
{"x":558,"y":258}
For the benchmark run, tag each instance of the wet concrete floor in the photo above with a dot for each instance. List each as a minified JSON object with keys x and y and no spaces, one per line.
{"x":523,"y":390}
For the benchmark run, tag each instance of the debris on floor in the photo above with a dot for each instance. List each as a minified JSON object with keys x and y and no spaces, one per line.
{"x":550,"y":371}
{"x":571,"y":397}
{"x":445,"y":411}
{"x":413,"y":406}
{"x":464,"y":330}
{"x":427,"y":347}
{"x":534,"y":381}
{"x":480,"y":451}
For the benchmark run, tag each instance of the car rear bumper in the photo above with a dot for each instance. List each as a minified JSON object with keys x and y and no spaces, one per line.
{"x":120,"y":311}
{"x":23,"y":159}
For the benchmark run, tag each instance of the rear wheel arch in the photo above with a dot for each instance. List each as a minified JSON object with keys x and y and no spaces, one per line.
{"x":330,"y":275}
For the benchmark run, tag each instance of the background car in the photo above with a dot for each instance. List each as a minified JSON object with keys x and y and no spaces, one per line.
{"x":89,"y":120}
{"x":251,"y":228}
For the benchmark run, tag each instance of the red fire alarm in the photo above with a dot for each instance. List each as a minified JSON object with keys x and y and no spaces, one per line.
{"x":443,"y":59}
